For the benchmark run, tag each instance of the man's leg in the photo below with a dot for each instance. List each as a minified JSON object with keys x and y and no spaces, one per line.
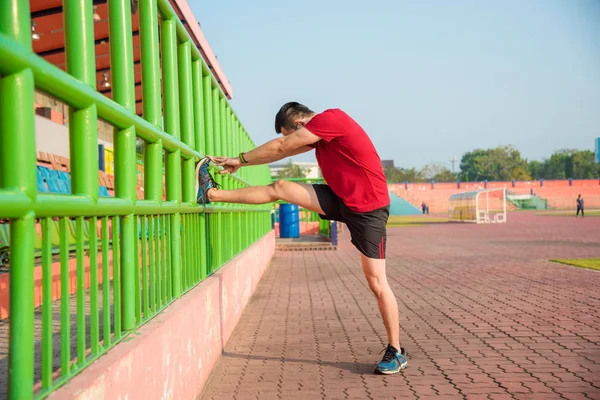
{"x":302,"y":194}
{"x":374,"y":270}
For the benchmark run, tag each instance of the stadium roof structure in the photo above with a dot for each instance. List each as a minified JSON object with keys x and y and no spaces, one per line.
{"x":49,"y":42}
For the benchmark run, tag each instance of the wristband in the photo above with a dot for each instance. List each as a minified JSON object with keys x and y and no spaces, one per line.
{"x":242,"y":159}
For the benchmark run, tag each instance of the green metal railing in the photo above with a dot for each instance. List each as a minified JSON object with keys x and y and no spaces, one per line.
{"x":142,"y":254}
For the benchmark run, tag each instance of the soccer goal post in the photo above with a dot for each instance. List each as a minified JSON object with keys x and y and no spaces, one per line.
{"x":487,"y":206}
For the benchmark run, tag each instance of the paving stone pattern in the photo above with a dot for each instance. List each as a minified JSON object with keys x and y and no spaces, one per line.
{"x":483,"y":315}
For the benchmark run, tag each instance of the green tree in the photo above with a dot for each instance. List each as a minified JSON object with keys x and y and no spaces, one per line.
{"x":502,"y":163}
{"x":292,"y":170}
{"x":584,"y":165}
{"x":557,"y":166}
{"x":535,"y":169}
{"x":567,"y":163}
{"x":399,"y":175}
{"x":472,"y":165}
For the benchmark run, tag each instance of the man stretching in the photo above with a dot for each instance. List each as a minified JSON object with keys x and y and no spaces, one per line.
{"x":356,"y":195}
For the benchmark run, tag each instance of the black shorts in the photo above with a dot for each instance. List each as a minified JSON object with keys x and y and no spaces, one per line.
{"x":368,"y":229}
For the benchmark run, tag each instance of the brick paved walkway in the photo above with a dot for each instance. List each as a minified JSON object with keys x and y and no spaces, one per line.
{"x":483,"y":316}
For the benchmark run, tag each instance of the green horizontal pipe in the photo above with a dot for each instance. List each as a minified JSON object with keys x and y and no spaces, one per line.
{"x":76,"y":94}
{"x":14,"y":203}
{"x":59,"y":205}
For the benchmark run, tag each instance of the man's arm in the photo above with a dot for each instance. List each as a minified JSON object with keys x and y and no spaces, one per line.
{"x":297,"y":151}
{"x":277,"y":149}
{"x":274,"y":150}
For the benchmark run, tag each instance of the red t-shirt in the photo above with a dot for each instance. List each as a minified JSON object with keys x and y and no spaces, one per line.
{"x":349,"y":162}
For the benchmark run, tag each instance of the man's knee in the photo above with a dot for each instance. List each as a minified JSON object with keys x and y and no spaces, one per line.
{"x":376,"y":285}
{"x":279,"y":188}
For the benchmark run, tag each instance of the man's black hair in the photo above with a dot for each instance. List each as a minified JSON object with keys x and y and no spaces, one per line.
{"x":289,"y":113}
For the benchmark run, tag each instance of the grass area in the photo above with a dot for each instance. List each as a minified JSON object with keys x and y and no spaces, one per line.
{"x":568,"y":213}
{"x":414,"y":220}
{"x":591,"y":263}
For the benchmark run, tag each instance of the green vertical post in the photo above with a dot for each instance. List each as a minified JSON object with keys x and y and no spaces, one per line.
{"x":223,"y":138}
{"x":46,"y":304}
{"x":138,"y":294}
{"x":202,"y":246}
{"x":187,"y":117}
{"x":198,"y":101}
{"x":171,"y":117}
{"x":165,"y":273}
{"x":81,"y":328}
{"x":196,"y":246}
{"x":94,"y":308}
{"x":208,"y":114}
{"x":247,"y":228}
{"x":153,"y":263}
{"x":151,"y":101}
{"x":121,"y":60}
{"x":105,"y":284}
{"x":232,"y":182}
{"x":216,"y":132}
{"x":207,"y":235}
{"x":65,"y":312}
{"x":235,"y":234}
{"x":81,"y":63}
{"x":117,"y":299}
{"x":200,"y":118}
{"x":168,"y":253}
{"x":209,"y":148}
{"x":17,"y":170}
{"x":185,"y":93}
{"x":213,"y":242}
{"x":216,"y":135}
{"x":159,"y":264}
{"x":232,"y":133}
{"x":185,"y":259}
{"x":193,"y":248}
{"x":145,"y":284}
{"x":226,"y":178}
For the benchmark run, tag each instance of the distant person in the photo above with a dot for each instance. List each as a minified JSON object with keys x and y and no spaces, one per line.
{"x":424,"y":207}
{"x":427,"y":209}
{"x":579,"y":206}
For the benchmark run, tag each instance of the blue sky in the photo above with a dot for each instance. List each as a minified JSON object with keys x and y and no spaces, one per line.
{"x":427,"y":80}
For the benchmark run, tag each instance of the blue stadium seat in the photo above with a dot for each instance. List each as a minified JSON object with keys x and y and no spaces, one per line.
{"x":57,"y":185}
{"x":66,"y":178}
{"x":41,"y":185}
{"x":43,"y":172}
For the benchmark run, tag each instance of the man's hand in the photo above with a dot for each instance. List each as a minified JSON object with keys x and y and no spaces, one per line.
{"x":230,"y":165}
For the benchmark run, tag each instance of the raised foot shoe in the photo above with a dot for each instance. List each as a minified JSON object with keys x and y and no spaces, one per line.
{"x":393,"y":361}
{"x":205,"y":181}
